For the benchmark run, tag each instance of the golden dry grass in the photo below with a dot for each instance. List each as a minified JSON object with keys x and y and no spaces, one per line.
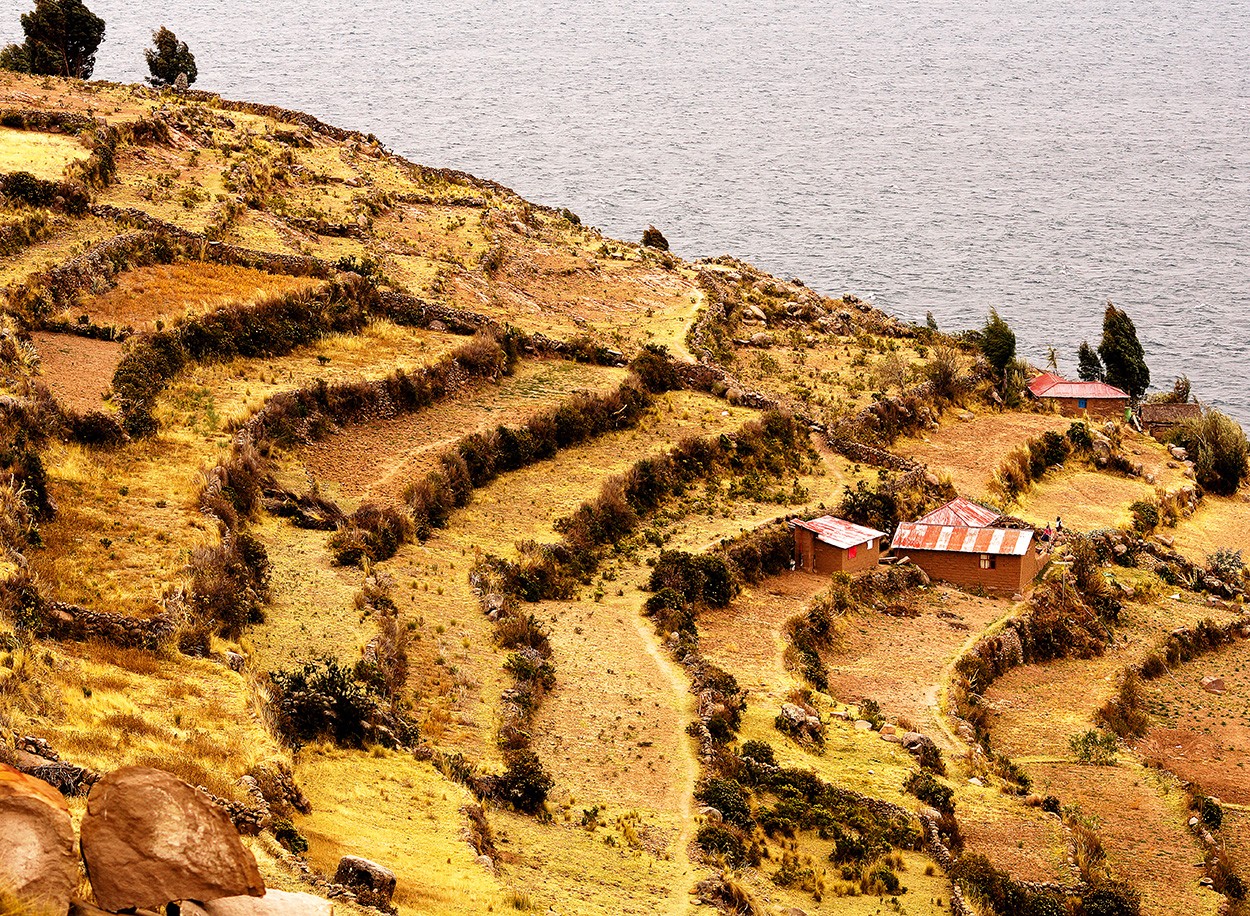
{"x":43,"y":155}
{"x":125,"y":525}
{"x":970,"y":450}
{"x":210,"y":397}
{"x":69,"y":238}
{"x":1219,"y":523}
{"x":166,"y":292}
{"x":1085,"y":499}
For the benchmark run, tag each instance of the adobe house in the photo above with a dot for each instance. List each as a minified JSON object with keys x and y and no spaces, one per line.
{"x":1158,"y":420}
{"x":959,"y":544}
{"x":827,"y":545}
{"x":1097,"y":400}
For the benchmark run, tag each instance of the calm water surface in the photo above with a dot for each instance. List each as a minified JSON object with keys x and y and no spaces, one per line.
{"x":930,"y":156}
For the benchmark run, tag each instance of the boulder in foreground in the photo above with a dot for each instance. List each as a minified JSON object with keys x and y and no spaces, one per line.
{"x":372,"y":883}
{"x":149,"y":839}
{"x":274,"y":903}
{"x":37,"y":861}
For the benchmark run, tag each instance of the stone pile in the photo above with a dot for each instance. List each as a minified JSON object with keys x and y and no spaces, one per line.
{"x":147,"y":840}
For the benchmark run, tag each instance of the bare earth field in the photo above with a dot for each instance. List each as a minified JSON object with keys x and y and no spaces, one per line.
{"x":78,"y":370}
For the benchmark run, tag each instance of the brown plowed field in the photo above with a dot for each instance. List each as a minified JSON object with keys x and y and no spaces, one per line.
{"x":79,"y":370}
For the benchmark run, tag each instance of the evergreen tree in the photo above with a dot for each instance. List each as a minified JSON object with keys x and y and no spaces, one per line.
{"x":168,"y":58}
{"x":1089,"y":366}
{"x":1122,"y":354}
{"x":62,"y":37}
{"x":998,"y":343}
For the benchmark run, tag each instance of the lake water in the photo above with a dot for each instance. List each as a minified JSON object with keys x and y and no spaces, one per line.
{"x":930,"y":156}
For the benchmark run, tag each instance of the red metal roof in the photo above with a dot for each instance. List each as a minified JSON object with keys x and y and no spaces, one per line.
{"x":1049,"y":385}
{"x":961,"y":512}
{"x":838,"y":532}
{"x":961,"y":539}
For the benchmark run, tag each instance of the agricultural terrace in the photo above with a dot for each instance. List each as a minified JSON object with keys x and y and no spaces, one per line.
{"x":970,"y":444}
{"x":164,"y":293}
{"x":379,"y":460}
{"x":77,"y":370}
{"x":1037,"y":708}
{"x":42,"y":155}
{"x":1219,"y":523}
{"x":63,"y":239}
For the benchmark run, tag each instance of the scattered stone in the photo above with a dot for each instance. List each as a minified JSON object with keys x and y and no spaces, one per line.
{"x":888,"y":729}
{"x":148,"y":839}
{"x":1193,"y":822}
{"x":1213,"y":684}
{"x":438,"y":326}
{"x":486,"y":862}
{"x":37,"y":860}
{"x":863,"y":725}
{"x":707,"y":812}
{"x":372,"y":883}
{"x":967,"y":417}
{"x":966,"y":732}
{"x":235,"y":661}
{"x":274,"y":903}
{"x":975,"y":781}
{"x":893,"y":739}
{"x":1178,"y":453}
{"x":762,"y":339}
{"x":757,"y":313}
{"x":1165,"y":540}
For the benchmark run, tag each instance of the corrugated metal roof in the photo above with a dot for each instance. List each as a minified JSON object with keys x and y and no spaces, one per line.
{"x":1049,"y":385}
{"x":961,"y":512}
{"x":961,"y":539}
{"x":838,"y":532}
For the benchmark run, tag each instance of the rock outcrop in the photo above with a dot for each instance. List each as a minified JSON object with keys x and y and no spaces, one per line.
{"x":149,"y":839}
{"x":37,"y":860}
{"x":373,"y":884}
{"x":274,"y":903}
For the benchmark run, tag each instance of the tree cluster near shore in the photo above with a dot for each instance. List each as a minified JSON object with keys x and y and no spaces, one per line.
{"x":62,"y":37}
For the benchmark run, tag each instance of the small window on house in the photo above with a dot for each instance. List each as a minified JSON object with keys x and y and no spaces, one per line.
{"x":870,"y":545}
{"x":1081,"y":403}
{"x":851,"y":553}
{"x":988,"y":562}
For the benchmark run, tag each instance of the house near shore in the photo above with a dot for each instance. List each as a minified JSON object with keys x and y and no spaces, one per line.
{"x":827,"y":545}
{"x":1158,"y":420}
{"x":1076,"y":399}
{"x":959,"y":543}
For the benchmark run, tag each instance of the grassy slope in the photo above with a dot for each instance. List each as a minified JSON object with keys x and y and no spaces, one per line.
{"x":613,"y":730}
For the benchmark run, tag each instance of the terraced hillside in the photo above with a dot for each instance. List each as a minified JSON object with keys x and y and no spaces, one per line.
{"x":469,"y":521}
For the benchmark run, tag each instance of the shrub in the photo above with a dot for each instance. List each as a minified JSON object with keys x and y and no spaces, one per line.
{"x":759,"y":751}
{"x":1111,"y":898}
{"x":654,"y":238}
{"x":728,"y":797}
{"x":371,"y":533}
{"x":1217,"y":446}
{"x":721,"y":840}
{"x":1094,"y":747}
{"x":1145,"y":516}
{"x":876,"y":507}
{"x":229,"y":585}
{"x":1226,"y":563}
{"x":321,"y":700}
{"x":289,"y":836}
{"x":1209,"y":810}
{"x":705,"y":577}
{"x":654,"y":367}
{"x":1125,"y":713}
{"x":933,"y":793}
{"x":525,"y":784}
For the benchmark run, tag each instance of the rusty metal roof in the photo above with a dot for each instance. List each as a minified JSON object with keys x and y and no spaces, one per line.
{"x":1049,"y":385}
{"x":838,"y":532}
{"x":960,"y":512}
{"x":961,"y":539}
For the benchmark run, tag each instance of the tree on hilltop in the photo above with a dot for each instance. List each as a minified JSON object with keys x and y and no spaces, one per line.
{"x":168,"y":58}
{"x":1122,"y":354}
{"x":1088,"y":365}
{"x":62,"y":37}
